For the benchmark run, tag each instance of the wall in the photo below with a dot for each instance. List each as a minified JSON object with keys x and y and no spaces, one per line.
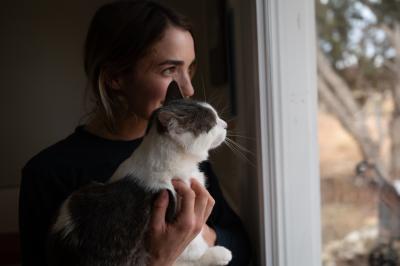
{"x":42,"y":84}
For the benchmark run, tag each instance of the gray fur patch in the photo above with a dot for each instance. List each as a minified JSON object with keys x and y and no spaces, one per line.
{"x":190,"y":116}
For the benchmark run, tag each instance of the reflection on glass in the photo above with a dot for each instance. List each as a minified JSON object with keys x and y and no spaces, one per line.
{"x":359,"y":130}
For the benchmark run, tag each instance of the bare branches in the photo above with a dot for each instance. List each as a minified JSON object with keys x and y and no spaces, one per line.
{"x":393,"y":34}
{"x":342,"y":91}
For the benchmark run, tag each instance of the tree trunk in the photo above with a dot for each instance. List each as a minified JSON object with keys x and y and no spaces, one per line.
{"x":337,"y":96}
{"x":393,"y":35}
{"x":394,"y":132}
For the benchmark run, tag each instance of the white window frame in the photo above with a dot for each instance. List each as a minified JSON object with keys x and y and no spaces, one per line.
{"x":287,"y":104}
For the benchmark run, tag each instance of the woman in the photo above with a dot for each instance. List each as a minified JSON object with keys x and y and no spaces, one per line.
{"x":133,"y":50}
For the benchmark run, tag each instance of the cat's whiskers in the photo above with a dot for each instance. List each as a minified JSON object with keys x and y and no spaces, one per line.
{"x":230,"y":119}
{"x":239,"y":153}
{"x":215,"y":100}
{"x":224,"y":112}
{"x":239,"y":150}
{"x":239,"y":136}
{"x":240,"y":147}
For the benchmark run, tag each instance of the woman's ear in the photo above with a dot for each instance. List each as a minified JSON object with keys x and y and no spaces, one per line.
{"x":112,"y":81}
{"x":115,"y":84}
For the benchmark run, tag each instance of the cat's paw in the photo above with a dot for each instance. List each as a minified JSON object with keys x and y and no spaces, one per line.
{"x":216,"y":256}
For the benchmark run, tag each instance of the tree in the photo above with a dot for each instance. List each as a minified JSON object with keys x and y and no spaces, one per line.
{"x":359,"y":55}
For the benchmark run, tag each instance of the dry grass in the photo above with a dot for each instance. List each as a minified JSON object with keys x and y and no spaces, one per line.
{"x":345,"y":206}
{"x":338,"y":152}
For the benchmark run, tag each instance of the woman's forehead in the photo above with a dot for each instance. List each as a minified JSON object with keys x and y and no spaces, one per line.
{"x":176,"y":45}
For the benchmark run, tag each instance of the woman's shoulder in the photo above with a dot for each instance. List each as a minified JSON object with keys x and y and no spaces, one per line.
{"x":80,"y":153}
{"x":58,"y":153}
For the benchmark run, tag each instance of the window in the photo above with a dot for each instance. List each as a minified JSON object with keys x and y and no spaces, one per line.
{"x":358,"y":84}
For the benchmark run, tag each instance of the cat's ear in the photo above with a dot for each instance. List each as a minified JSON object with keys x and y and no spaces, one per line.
{"x":166,"y":119}
{"x":173,"y":92}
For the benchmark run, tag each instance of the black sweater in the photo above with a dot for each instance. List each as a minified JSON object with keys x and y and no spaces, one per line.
{"x":53,"y":174}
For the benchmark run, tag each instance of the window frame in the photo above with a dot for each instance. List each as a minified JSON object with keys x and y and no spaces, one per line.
{"x":289,"y":195}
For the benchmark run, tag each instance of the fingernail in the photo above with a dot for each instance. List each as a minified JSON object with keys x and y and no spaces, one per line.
{"x":176,"y":181}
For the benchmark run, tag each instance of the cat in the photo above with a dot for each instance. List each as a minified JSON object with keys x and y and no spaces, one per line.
{"x":105,"y":224}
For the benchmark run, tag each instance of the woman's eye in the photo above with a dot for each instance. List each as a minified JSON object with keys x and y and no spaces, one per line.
{"x":169,"y":71}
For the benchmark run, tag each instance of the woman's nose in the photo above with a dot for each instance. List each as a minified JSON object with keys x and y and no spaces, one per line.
{"x":186,"y":86}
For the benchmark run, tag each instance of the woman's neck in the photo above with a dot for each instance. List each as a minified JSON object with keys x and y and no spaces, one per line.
{"x":128,"y":128}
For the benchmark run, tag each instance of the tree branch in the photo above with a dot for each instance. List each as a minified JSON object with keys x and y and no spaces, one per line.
{"x":338,"y":85}
{"x":354,"y":126}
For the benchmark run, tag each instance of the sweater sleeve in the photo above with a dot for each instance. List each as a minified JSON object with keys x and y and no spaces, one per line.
{"x":31,"y":219}
{"x":39,"y":198}
{"x":227,"y":225}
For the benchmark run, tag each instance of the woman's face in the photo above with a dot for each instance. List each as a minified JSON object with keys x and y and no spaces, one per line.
{"x":171,"y":58}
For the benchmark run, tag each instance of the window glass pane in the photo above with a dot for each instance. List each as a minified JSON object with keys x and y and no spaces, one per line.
{"x":359,"y":130}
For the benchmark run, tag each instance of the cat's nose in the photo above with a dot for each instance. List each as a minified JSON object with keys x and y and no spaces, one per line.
{"x":223,"y":123}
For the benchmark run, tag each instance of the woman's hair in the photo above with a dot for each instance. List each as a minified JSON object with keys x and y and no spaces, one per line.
{"x":120,"y":34}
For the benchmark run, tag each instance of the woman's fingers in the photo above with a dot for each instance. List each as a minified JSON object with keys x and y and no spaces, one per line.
{"x":166,"y":241}
{"x":186,"y":216}
{"x":209,"y":208}
{"x":160,"y":206}
{"x":202,"y":197}
{"x":197,"y":204}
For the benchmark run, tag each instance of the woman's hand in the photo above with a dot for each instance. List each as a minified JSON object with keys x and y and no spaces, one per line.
{"x":209,"y":235}
{"x":165,"y":242}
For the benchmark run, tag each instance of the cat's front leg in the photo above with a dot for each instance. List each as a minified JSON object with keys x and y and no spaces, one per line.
{"x":216,"y":256}
{"x":198,"y":253}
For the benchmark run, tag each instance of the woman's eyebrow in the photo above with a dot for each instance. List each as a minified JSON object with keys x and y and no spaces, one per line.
{"x":175,"y":62}
{"x":171,"y":62}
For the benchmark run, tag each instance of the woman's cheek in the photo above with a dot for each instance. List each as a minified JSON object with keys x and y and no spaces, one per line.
{"x":159,"y":89}
{"x":156,"y":95}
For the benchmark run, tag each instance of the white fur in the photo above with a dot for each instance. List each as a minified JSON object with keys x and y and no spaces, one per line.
{"x":198,"y":253}
{"x":64,"y":223}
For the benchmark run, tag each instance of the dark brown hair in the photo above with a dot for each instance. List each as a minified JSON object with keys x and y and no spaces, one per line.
{"x":120,"y":34}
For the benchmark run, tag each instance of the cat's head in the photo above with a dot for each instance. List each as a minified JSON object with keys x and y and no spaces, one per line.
{"x":193,"y":126}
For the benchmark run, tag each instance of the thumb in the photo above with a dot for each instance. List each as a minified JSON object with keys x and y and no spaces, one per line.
{"x":160,"y":206}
